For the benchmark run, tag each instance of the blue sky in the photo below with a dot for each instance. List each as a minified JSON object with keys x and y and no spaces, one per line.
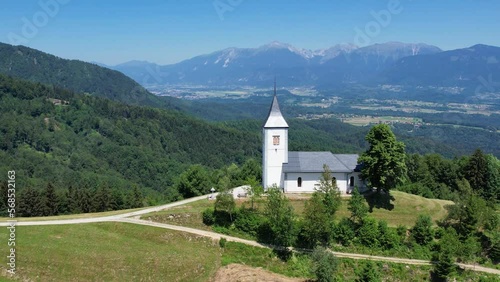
{"x":168,"y":31}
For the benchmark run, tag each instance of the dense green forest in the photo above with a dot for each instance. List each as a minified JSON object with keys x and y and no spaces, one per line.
{"x":89,"y":141}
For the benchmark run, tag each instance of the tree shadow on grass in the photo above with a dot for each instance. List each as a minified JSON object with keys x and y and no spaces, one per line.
{"x":380,"y":200}
{"x":284,"y":254}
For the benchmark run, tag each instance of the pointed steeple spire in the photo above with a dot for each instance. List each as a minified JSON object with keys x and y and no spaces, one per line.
{"x":275,"y":118}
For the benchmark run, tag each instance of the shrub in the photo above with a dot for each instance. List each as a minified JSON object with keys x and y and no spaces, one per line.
{"x":369,"y":273}
{"x":222,"y":242}
{"x":368,"y":233}
{"x":388,"y":238}
{"x":401,"y":232}
{"x":264,"y":233}
{"x":248,"y":221}
{"x":344,"y":232}
{"x":325,"y":264}
{"x":422,"y":231}
{"x":222,"y":218}
{"x":221,"y":229}
{"x":494,"y":252}
{"x":208,"y":216}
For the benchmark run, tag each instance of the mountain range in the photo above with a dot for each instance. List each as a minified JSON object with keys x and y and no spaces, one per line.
{"x":388,"y":63}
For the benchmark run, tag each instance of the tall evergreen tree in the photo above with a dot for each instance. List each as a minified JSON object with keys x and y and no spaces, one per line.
{"x":476,"y":172}
{"x":102,"y":198}
{"x":469,"y":212}
{"x":368,"y":234}
{"x":357,"y":206}
{"x":73,"y":196}
{"x":422,"y":231}
{"x":134,"y":198}
{"x":30,"y":203}
{"x":3,"y":198}
{"x":329,"y":192}
{"x":117,"y":201}
{"x":444,"y":257}
{"x":84,"y":200}
{"x":50,"y":200}
{"x":492,"y":190}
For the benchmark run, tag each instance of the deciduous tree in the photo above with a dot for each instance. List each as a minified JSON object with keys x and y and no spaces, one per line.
{"x":279,"y":215}
{"x":255,"y":189}
{"x":316,"y":227}
{"x":224,"y":202}
{"x":193,"y":182}
{"x":384,"y":162}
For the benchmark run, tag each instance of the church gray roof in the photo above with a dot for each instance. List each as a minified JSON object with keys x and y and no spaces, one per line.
{"x":275,"y":118}
{"x":313,"y":162}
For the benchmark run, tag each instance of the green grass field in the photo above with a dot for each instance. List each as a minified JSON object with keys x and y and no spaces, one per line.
{"x":112,"y":252}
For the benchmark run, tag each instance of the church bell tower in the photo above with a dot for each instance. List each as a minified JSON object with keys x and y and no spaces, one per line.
{"x":275,"y":146}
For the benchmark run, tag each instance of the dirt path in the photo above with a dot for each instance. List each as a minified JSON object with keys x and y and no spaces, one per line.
{"x":217,"y":236}
{"x":106,"y":218}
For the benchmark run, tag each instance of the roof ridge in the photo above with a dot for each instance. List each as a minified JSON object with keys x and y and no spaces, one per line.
{"x":340,"y":161}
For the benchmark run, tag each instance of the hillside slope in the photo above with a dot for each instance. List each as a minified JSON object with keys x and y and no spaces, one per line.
{"x":88,"y":140}
{"x":33,"y":65}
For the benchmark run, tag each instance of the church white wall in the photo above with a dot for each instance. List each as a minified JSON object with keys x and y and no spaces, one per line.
{"x":310,"y":181}
{"x":274,"y":156}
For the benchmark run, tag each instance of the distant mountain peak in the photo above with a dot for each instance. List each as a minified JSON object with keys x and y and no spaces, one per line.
{"x":135,"y":63}
{"x":306,"y":53}
{"x":393,"y":62}
{"x":478,"y":47}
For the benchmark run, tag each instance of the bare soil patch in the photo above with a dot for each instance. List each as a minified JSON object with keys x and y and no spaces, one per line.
{"x":242,"y":273}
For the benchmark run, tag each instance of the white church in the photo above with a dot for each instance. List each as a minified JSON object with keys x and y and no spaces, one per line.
{"x":299,"y":172}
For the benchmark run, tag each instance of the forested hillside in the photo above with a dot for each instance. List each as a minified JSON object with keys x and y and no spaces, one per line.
{"x":89,"y":140}
{"x":78,"y":76}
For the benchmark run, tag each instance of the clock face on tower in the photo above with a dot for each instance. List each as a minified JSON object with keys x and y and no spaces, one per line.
{"x":276,"y":140}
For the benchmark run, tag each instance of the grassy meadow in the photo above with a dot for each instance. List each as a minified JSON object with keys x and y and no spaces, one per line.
{"x":111,"y":252}
{"x":403,"y":210}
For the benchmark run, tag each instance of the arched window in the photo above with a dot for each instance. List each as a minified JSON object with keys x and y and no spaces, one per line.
{"x":351,"y":181}
{"x":299,"y":182}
